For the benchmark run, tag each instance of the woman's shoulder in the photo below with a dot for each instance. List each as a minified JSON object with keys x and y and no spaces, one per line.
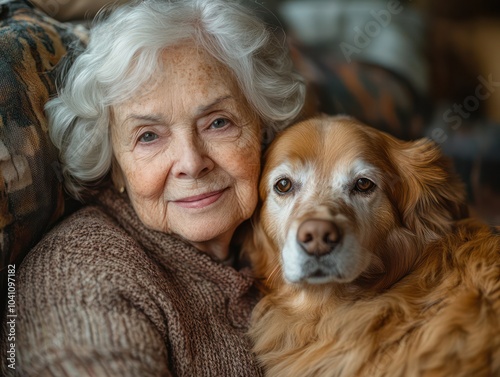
{"x":89,"y":229}
{"x":87,"y":241}
{"x":89,"y":260}
{"x":86,"y":295}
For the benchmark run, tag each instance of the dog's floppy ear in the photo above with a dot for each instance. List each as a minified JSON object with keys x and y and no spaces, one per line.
{"x":428,"y":194}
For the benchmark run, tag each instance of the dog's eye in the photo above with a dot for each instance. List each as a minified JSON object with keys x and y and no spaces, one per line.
{"x":283,"y":186}
{"x":364,"y":185}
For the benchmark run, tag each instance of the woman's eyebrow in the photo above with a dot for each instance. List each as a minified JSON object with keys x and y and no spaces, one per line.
{"x":153,"y":118}
{"x":218,"y":100}
{"x":158,"y":118}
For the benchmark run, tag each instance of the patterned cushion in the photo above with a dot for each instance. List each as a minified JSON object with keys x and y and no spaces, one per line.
{"x":31,"y":193}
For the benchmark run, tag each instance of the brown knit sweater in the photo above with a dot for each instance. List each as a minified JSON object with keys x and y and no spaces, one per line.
{"x":102,"y":295}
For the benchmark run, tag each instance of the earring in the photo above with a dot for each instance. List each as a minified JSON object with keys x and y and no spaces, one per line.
{"x":122,"y":189}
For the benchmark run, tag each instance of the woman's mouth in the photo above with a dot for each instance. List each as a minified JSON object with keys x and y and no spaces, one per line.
{"x":200,"y":201}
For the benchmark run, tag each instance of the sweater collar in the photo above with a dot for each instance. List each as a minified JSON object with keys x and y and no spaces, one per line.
{"x":172,"y":251}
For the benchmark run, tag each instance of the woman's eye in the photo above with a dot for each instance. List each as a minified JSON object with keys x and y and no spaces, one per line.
{"x":283,"y":186}
{"x":364,"y":185}
{"x":148,"y":137}
{"x":219,"y":123}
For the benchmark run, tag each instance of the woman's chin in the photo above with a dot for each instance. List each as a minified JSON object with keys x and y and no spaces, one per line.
{"x":212,"y":223}
{"x":206,"y":233}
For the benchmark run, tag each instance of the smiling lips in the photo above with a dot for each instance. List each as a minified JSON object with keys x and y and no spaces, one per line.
{"x":200,"y":201}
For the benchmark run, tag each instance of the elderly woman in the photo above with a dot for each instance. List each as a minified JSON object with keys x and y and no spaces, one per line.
{"x":169,"y":101}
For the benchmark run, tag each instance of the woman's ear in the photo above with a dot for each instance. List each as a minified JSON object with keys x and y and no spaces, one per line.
{"x":117,"y":176}
{"x":429,"y":195}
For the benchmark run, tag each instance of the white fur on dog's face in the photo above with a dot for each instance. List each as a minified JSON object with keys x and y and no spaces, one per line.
{"x":323,"y":196}
{"x":309,"y":178}
{"x":324,"y":188}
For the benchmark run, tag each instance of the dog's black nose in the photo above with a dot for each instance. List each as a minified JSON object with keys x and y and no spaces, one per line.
{"x":318,"y":237}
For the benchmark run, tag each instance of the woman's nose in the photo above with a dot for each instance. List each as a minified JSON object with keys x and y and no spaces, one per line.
{"x":191,"y":160}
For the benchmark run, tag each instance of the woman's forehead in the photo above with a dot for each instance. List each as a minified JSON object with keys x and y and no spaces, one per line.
{"x":189,"y":73}
{"x":194,"y":69}
{"x":187,"y":81}
{"x":192,"y":62}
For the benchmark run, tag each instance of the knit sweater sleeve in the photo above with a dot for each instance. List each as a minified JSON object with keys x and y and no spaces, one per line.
{"x":86,"y":304}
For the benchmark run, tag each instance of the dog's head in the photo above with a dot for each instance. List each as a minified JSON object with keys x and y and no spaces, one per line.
{"x":342,"y":202}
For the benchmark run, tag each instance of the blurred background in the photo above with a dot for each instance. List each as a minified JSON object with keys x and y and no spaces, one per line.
{"x":445,"y":56}
{"x":412,"y":68}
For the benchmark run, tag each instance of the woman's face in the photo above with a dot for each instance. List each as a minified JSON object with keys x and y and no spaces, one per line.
{"x":188,"y":147}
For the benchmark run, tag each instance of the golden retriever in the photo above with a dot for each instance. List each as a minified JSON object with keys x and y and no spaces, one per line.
{"x":370,"y":264}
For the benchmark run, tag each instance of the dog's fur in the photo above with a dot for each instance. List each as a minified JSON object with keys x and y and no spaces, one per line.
{"x":410,"y":288}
